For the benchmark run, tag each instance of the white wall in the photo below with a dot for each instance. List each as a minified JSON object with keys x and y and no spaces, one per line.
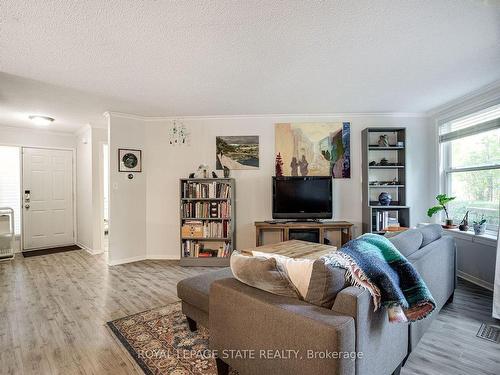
{"x":127,"y":200}
{"x":145,"y":211}
{"x":84,"y":187}
{"x":16,"y":136}
{"x":89,"y":187}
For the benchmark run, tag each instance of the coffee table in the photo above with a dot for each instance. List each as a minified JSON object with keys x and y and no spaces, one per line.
{"x":294,"y":249}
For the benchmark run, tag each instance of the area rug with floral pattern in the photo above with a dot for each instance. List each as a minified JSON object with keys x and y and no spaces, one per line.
{"x":160,"y":341}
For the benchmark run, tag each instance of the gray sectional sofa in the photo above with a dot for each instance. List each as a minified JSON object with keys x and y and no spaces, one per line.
{"x":256,"y":332}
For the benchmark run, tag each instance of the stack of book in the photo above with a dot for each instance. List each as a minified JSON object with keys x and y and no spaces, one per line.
{"x":196,"y":249}
{"x":385,"y":219}
{"x":206,"y":190}
{"x":206,"y":210}
{"x":205,"y":229}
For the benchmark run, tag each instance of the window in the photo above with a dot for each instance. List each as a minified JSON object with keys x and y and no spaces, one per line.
{"x":10,"y":181}
{"x":470,"y":154}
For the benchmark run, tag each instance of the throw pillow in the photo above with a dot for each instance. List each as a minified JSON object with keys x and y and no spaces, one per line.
{"x":262,"y":273}
{"x":317,"y":281}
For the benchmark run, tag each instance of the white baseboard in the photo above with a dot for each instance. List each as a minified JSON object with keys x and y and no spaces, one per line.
{"x":88,"y":249}
{"x":162,"y":257}
{"x":126,"y":260}
{"x":141,"y":257}
{"x":475,"y":280}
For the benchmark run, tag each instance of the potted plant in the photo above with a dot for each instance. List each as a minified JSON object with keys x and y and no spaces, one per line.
{"x":443,"y":200}
{"x":479,"y":226}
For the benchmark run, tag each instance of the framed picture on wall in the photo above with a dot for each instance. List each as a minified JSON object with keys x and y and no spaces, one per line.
{"x":129,"y":160}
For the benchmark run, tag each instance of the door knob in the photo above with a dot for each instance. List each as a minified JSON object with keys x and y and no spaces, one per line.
{"x":26,"y":206}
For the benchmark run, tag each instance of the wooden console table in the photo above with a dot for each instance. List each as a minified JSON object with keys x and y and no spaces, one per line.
{"x":335,"y":233}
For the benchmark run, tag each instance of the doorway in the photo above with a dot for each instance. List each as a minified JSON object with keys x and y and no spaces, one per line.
{"x":47,"y":198}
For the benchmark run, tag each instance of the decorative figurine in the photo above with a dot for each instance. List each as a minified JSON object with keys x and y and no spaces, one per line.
{"x":383,"y":140}
{"x":278,"y":165}
{"x":384,"y":161}
{"x":227,"y":172}
{"x":384,"y":199}
{"x":214,"y":175}
{"x":202,"y":171}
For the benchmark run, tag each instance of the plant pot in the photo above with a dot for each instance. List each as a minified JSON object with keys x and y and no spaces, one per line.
{"x":449,"y":222}
{"x":479,"y":229}
{"x":463,"y":227}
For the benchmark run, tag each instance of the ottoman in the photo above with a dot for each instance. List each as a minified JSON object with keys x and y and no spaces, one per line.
{"x":194,"y":294}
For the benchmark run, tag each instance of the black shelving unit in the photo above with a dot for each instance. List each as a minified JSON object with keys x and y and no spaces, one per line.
{"x":382,"y":177}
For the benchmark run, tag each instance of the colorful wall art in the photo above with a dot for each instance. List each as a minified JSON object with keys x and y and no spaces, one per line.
{"x":314,"y":149}
{"x":237,"y":152}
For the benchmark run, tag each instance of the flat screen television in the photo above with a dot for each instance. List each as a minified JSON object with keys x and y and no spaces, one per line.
{"x":302,"y":197}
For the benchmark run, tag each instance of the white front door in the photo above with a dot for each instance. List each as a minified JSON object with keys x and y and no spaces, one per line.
{"x":47,"y":198}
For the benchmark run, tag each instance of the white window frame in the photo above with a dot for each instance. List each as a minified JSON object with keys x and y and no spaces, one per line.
{"x":445,"y":158}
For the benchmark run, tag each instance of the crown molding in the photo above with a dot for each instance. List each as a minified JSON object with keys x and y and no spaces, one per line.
{"x":132,"y":116}
{"x":484,"y":97}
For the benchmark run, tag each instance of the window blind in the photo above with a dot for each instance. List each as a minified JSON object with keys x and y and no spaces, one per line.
{"x":476,"y":123}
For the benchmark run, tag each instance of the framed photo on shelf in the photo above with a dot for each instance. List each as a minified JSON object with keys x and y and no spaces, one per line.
{"x":129,"y":160}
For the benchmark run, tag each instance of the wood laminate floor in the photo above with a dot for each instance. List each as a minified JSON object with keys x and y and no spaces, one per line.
{"x":53,"y":310}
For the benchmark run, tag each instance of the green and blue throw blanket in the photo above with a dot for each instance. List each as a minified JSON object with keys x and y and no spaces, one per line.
{"x":372,"y":262}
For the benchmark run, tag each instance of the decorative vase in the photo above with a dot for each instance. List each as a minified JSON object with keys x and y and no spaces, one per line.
{"x":227,"y":172}
{"x":384,"y":199}
{"x":479,"y":228}
{"x":449,"y":222}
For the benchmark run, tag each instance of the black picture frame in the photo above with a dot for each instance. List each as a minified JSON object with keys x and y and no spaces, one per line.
{"x":121,"y":165}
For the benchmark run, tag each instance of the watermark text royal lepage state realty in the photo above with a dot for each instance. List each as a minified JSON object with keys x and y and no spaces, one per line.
{"x":270,"y":354}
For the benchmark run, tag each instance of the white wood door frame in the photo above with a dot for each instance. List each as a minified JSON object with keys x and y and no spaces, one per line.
{"x":21,"y":191}
{"x":101,"y":192}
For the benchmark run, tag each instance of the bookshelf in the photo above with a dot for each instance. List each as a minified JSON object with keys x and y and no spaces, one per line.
{"x":207,"y":221}
{"x":389,"y":177}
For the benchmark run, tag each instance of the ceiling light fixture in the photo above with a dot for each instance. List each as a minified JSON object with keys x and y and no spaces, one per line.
{"x":41,"y":120}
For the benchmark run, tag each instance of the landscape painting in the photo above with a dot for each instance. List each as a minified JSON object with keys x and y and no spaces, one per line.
{"x":314,"y":149}
{"x":237,"y":152}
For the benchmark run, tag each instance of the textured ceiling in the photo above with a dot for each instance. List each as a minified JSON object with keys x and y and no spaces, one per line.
{"x":197,"y":57}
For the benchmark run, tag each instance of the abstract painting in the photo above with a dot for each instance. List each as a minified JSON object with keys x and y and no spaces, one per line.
{"x":314,"y":149}
{"x":237,"y":152}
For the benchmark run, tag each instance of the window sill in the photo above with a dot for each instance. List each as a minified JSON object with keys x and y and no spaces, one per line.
{"x":483,"y":239}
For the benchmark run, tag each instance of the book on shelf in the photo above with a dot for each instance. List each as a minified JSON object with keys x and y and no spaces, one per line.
{"x":195,"y":249}
{"x":213,"y":189}
{"x":385,"y":219}
{"x":206,"y":229}
{"x":206,"y":210}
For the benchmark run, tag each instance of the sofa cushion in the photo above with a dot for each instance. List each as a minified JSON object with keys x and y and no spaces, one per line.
{"x":195,"y":290}
{"x":408,"y":241}
{"x":263,"y":273}
{"x":430,"y":233}
{"x":316,"y":281}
